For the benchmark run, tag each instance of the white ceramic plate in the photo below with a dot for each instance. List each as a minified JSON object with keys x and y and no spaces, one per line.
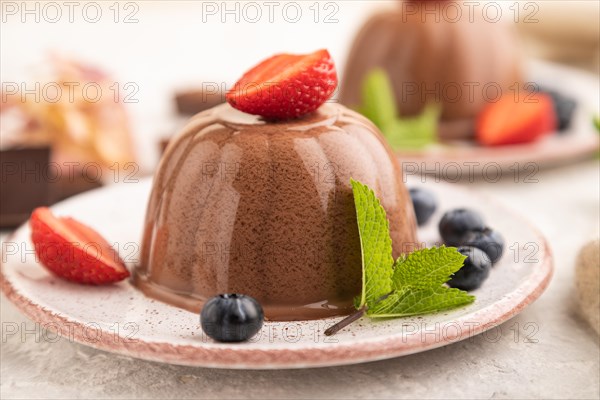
{"x":464,"y":160}
{"x":122,"y":320}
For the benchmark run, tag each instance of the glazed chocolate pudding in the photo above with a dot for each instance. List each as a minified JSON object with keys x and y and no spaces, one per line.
{"x":240,"y":205}
{"x":433,"y":56}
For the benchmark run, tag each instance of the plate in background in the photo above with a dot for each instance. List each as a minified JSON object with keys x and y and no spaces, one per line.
{"x":466,"y":160}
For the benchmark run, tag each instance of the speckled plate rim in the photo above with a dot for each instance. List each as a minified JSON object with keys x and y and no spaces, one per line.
{"x":579,"y":142}
{"x":360,"y":350}
{"x":552,"y":151}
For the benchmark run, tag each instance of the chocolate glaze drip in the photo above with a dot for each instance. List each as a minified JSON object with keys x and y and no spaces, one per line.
{"x":266,"y":209}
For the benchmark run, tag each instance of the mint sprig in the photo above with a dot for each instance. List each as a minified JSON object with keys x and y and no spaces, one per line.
{"x":413,"y":284}
{"x":379,"y":105}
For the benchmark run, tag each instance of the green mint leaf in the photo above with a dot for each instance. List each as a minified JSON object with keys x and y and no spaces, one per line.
{"x":426,"y":268}
{"x":376,"y":245}
{"x":413,"y":285}
{"x":597,"y":122}
{"x":379,"y":104}
{"x":413,"y":132}
{"x":417,"y":283}
{"x":409,"y":301}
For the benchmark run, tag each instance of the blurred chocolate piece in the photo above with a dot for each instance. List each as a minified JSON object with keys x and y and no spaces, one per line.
{"x":70,"y":184}
{"x":25,"y":177}
{"x":30,"y":179}
{"x":191,"y":102}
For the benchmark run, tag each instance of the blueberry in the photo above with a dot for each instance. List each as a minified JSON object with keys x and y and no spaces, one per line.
{"x":488,"y":240}
{"x":424,"y":203}
{"x":455,"y":224}
{"x":564,"y":107}
{"x":231,"y":317}
{"x":475,"y":270}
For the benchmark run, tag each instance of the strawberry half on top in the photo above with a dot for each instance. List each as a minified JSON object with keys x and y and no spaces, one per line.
{"x":285,"y":86}
{"x":74,"y":251}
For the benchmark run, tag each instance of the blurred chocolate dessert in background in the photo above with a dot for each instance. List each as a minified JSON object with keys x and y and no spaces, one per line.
{"x":436,"y":52}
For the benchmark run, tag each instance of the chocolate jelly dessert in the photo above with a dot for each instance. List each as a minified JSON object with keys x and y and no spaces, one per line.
{"x":432,"y":56}
{"x":241,"y":205}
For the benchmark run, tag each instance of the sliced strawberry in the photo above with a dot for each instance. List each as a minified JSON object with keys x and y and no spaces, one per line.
{"x":285,"y":86}
{"x":510,"y":121}
{"x":74,"y":251}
